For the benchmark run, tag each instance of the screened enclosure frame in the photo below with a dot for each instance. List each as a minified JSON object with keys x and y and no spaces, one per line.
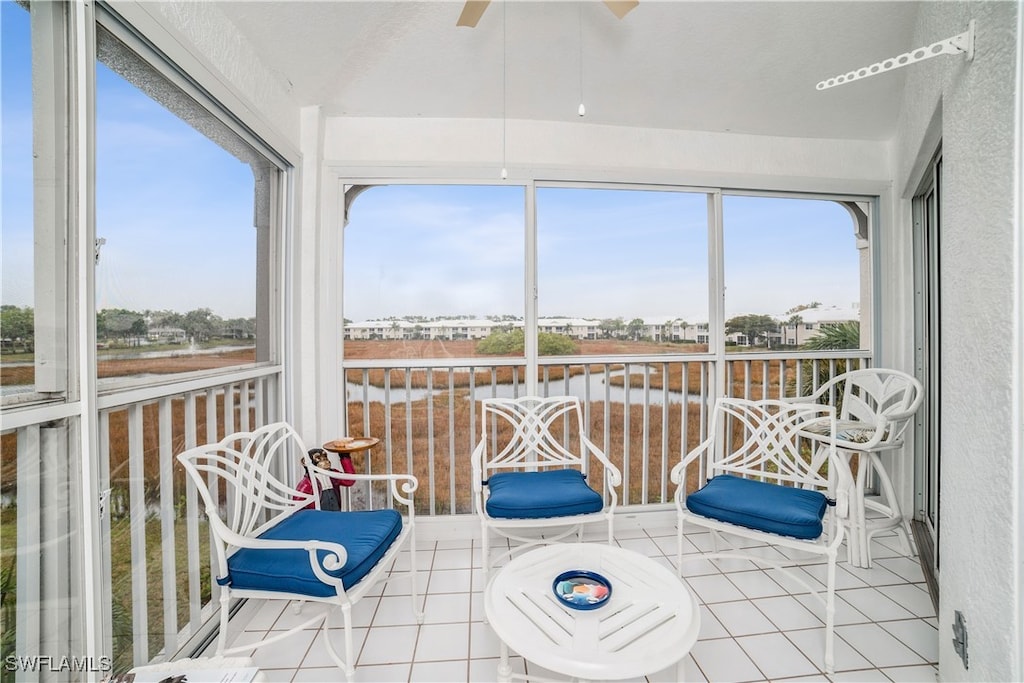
{"x":863,"y":208}
{"x":61,"y":419}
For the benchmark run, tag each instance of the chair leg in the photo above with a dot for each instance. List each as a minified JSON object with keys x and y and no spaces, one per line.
{"x":679,"y":546}
{"x":348,"y":663}
{"x":225,"y":608}
{"x":484,"y":551}
{"x":849,"y":524}
{"x":892,"y":503}
{"x":417,"y":610}
{"x":859,"y":536}
{"x":350,"y":653}
{"x":830,"y":615}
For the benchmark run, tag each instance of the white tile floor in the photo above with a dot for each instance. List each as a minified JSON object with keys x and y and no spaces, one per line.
{"x":757,"y":625}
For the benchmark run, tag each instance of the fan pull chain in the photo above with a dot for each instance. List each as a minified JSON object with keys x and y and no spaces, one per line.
{"x":582,"y":110}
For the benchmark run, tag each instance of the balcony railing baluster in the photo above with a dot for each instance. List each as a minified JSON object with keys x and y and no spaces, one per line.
{"x":451,"y":442}
{"x":686,"y":386}
{"x":168,"y":519}
{"x":138,"y":479}
{"x":192,"y":521}
{"x":137,"y":526}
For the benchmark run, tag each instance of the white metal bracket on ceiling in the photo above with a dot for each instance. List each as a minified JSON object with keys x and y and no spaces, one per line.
{"x":960,"y":43}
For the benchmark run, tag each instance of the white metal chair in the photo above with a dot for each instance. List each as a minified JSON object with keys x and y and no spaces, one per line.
{"x":530,"y":472}
{"x":268,"y":546}
{"x":875,"y":406}
{"x":768,"y":482}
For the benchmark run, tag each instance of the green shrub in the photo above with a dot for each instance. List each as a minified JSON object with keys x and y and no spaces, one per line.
{"x":510,"y":342}
{"x":549,"y":344}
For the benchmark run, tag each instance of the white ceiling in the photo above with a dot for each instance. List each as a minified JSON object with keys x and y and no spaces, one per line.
{"x":745,"y":67}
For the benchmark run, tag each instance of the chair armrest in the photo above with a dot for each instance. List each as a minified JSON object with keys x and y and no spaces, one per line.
{"x":335,"y":558}
{"x":612,"y":472}
{"x":678,"y":473}
{"x":819,"y":392}
{"x":402,"y":485}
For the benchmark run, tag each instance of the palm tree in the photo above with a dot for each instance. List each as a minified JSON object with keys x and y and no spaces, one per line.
{"x":844,"y":335}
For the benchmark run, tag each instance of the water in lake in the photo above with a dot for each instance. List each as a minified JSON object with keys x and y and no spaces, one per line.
{"x":592,"y":387}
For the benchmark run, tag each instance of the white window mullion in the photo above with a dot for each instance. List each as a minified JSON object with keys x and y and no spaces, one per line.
{"x":530,"y":319}
{"x":50,"y":86}
{"x":82,"y":99}
{"x":716,"y":289}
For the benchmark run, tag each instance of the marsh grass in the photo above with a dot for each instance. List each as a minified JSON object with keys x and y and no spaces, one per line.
{"x":431,"y":438}
{"x":438,"y":447}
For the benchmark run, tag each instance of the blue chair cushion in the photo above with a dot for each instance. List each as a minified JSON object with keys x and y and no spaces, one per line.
{"x":547,"y":493}
{"x":366,"y":535}
{"x":760,"y":505}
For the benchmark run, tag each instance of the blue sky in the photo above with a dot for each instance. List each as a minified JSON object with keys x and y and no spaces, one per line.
{"x":16,"y":145}
{"x":459,"y":250}
{"x":175,"y":209}
{"x":176,"y":213}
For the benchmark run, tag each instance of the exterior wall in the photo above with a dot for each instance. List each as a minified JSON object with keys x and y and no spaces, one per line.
{"x":201,"y":39}
{"x":973,"y":103}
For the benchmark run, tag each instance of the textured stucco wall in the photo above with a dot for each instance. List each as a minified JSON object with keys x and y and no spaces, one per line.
{"x":978,"y":530}
{"x":205,"y":43}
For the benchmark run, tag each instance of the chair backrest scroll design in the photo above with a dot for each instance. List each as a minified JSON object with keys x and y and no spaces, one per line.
{"x":768,"y":440}
{"x":241,"y":466}
{"x":531,"y":441}
{"x":871,"y":395}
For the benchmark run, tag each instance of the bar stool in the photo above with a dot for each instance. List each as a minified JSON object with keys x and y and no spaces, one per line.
{"x":874,"y":407}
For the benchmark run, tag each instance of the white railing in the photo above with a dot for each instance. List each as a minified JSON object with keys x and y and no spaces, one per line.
{"x":158,"y":594}
{"x":425,"y":411}
{"x":645,"y":411}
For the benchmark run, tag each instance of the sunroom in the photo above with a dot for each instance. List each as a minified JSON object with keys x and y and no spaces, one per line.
{"x":362,"y":218}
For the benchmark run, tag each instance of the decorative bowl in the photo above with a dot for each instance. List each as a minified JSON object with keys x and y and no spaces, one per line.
{"x":581,"y":589}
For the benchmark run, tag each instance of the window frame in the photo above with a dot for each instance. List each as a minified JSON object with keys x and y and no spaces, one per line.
{"x":345,"y":177}
{"x":64,"y":61}
{"x":270,"y":202}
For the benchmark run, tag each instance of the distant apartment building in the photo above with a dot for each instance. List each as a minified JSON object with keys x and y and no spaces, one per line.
{"x":675,"y":330}
{"x":577,"y":328}
{"x":449,"y":329}
{"x":811,"y":321}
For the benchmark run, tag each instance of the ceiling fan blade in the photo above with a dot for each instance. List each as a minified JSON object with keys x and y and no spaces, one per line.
{"x":621,"y":8}
{"x":471,"y":12}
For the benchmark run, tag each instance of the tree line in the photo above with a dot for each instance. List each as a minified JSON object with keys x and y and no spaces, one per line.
{"x":17,"y":325}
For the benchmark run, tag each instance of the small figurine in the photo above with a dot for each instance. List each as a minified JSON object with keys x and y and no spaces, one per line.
{"x":330,"y":498}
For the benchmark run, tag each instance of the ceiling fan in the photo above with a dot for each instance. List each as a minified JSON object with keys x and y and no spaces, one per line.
{"x":474,"y":9}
